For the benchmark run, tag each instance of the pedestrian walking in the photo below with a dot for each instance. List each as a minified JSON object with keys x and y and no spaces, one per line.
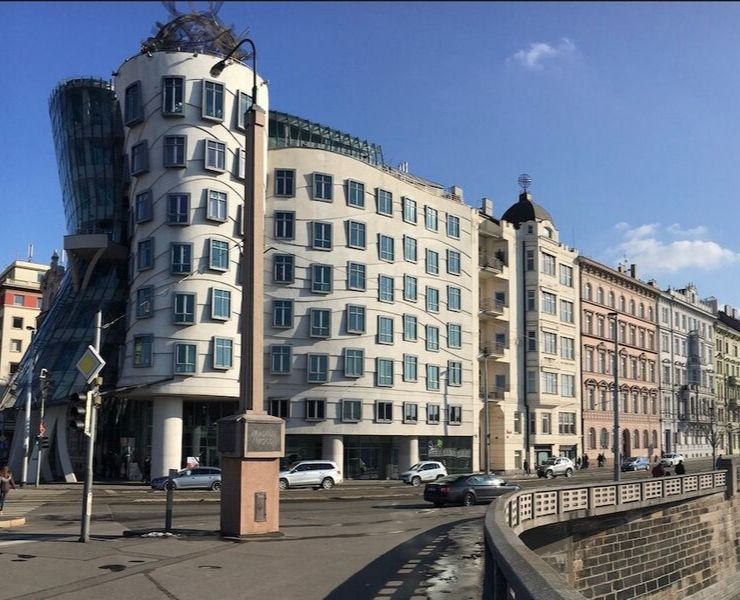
{"x":7,"y":483}
{"x":147,"y":469}
{"x":526,"y":467}
{"x":584,"y":462}
{"x":658,"y":470}
{"x":680,"y":468}
{"x":716,"y":464}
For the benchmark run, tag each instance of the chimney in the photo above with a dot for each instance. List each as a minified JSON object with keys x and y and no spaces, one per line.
{"x":486,"y":205}
{"x":457,"y":192}
{"x":633,"y":271}
{"x":620,"y":268}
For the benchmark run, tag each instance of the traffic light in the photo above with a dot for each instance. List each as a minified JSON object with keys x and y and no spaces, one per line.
{"x":80,"y":404}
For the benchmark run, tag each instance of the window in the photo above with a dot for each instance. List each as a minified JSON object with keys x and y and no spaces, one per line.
{"x":172,"y":95}
{"x":432,"y":262}
{"x":530,"y":260}
{"x":454,"y":373}
{"x":356,"y":276}
{"x":410,"y":368}
{"x":145,"y":302}
{"x":531,"y":341}
{"x":383,"y":411}
{"x":133,"y":111}
{"x":355,"y":194}
{"x":384,"y":372}
{"x":517,"y":422}
{"x":385,"y":248}
{"x":409,"y":288}
{"x":221,"y":304}
{"x":143,"y":210}
{"x":174,"y":150}
{"x":315,"y":409}
{"x":282,"y":268}
{"x":454,"y":335}
{"x":321,"y":280}
{"x":430,"y":218}
{"x":604,"y":438}
{"x":145,"y":254}
{"x":567,"y":385}
{"x":321,"y":235}
{"x":549,"y":304}
{"x":409,"y":210}
{"x":213,"y":100}
{"x":453,"y":298}
{"x":600,"y":295}
{"x":351,"y":411}
{"x":143,"y":350}
{"x":139,"y":158}
{"x":566,"y":311}
{"x":566,"y":276}
{"x":355,"y":318}
{"x":285,"y":183}
{"x":409,"y":248}
{"x":184,"y":308}
{"x":354,"y":362}
{"x":320,"y":319}
{"x":432,"y":413}
{"x":278,"y":407}
{"x":385,"y":330}
{"x":567,"y":423}
{"x":432,"y":378}
{"x":282,"y":313}
{"x":178,"y":209}
{"x":410,"y":328}
{"x":284,"y":225}
{"x":567,"y":348}
{"x":223,"y":353}
{"x":215,"y":159}
{"x":432,"y":338}
{"x":453,"y":262}
{"x":432,"y":297}
{"x":322,"y":187}
{"x":454,"y":415}
{"x":550,"y":342}
{"x":218,"y":257}
{"x":17,"y":322}
{"x":531,"y":300}
{"x":16,"y":345}
{"x":185,"y":358}
{"x":453,"y":227}
{"x":356,"y":235}
{"x":384,"y":202}
{"x":217,"y":206}
{"x":410,"y":412}
{"x":280,"y":359}
{"x":318,"y":368}
{"x":385,"y":288}
{"x":546,"y":423}
{"x":550,"y":383}
{"x":548,"y":264}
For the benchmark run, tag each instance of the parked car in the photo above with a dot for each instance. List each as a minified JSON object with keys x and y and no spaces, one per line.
{"x":205,"y":478}
{"x":671,"y":459}
{"x":311,"y":473}
{"x":426,"y":470}
{"x":635,"y":464}
{"x":467,"y":489}
{"x":554,"y":466}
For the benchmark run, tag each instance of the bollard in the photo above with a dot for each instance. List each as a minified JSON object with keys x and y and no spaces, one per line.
{"x":170,"y":501}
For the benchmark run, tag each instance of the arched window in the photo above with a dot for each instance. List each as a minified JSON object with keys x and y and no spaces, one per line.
{"x":642,"y":310}
{"x":654,"y":439}
{"x":600,"y":295}
{"x":645,"y":441}
{"x":635,"y":439}
{"x":621,"y":303}
{"x":632,"y":307}
{"x":604,"y":438}
{"x":592,"y":439}
{"x":591,"y":399}
{"x":611,"y":299}
{"x":645,"y":406}
{"x":635,"y":403}
{"x":587,"y":291}
{"x":653,"y":406}
{"x":604,"y":400}
{"x":650,"y":313}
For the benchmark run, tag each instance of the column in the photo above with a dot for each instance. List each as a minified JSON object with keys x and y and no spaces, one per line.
{"x":332,"y":448}
{"x":408,"y":452}
{"x":166,"y":435}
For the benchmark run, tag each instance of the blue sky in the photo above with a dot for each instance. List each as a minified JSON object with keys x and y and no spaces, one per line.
{"x":625,"y":115}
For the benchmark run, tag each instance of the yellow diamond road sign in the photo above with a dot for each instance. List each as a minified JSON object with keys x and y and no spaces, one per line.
{"x":90,"y":364}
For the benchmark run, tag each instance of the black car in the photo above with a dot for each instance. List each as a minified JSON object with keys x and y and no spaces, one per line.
{"x":467,"y":489}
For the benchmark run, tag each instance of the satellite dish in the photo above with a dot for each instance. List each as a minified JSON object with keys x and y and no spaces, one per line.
{"x":525,"y":181}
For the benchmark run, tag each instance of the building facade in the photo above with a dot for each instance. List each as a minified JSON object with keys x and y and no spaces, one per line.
{"x":725,"y":428}
{"x":617,"y":298}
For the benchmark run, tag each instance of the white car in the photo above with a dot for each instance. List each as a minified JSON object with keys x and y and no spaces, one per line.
{"x":426,"y":470}
{"x":311,"y":473}
{"x":672,"y":459}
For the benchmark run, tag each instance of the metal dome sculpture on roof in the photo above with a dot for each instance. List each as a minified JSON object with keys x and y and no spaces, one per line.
{"x":201,"y":32}
{"x":526,"y":210}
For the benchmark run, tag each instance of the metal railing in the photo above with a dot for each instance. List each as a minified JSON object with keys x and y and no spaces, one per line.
{"x":491,"y":307}
{"x":490,"y":262}
{"x":494,"y":393}
{"x":491,"y":348}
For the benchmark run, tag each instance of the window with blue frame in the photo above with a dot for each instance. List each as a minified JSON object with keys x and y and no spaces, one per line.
{"x":410,"y":327}
{"x":178,"y":209}
{"x":356,"y":237}
{"x":280,"y":357}
{"x":223,"y":353}
{"x":432,"y":338}
{"x":183,"y":308}
{"x":385,"y":330}
{"x":384,"y":372}
{"x":453,"y":227}
{"x":432,"y":298}
{"x":355,"y":315}
{"x":409,"y":248}
{"x":454,"y":373}
{"x":453,"y":298}
{"x":218,"y":255}
{"x":322,"y":187}
{"x":282,"y":313}
{"x":454,"y":335}
{"x":284,"y":225}
{"x":432,"y":262}
{"x":385,"y":288}
{"x":410,"y":368}
{"x":385,"y":248}
{"x":185,"y":358}
{"x":320,"y":322}
{"x":409,"y":288}
{"x":355,"y":194}
{"x":356,"y":276}
{"x":321,"y":235}
{"x":432,"y":378}
{"x":354,"y":362}
{"x":283,"y":268}
{"x":453,"y":262}
{"x":318,"y":368}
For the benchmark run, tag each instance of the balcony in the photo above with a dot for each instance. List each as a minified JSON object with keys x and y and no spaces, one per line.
{"x":489,"y":263}
{"x":494,"y":392}
{"x":491,"y":308}
{"x":493,"y":348}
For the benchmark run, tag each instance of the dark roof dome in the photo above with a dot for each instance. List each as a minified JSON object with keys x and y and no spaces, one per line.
{"x":526,"y":210}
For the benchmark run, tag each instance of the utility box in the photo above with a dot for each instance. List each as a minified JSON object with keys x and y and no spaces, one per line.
{"x":251,"y":435}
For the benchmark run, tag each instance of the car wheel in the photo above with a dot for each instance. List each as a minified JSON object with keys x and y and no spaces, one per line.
{"x":438,"y":477}
{"x":328,"y":483}
{"x":439,"y":504}
{"x":549,"y":475}
{"x":416,"y":481}
{"x":170,"y":485}
{"x":283,"y":484}
{"x":569,"y":472}
{"x":468,"y":499}
{"x":216,"y":486}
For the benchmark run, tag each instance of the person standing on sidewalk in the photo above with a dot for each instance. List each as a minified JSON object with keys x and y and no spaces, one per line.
{"x":526,"y":467}
{"x":7,"y":483}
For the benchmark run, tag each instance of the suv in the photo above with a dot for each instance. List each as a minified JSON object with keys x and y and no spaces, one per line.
{"x":427,"y":470}
{"x":671,"y":459}
{"x":311,"y":473}
{"x":554,"y":466}
{"x":635,"y":464}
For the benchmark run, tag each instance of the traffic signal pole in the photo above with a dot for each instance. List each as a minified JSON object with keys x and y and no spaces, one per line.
{"x":87,"y":497}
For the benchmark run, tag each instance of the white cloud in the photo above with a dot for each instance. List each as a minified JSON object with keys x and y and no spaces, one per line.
{"x":539,"y":53}
{"x":652,"y":248}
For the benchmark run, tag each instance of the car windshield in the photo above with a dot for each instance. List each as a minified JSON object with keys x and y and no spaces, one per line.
{"x":549,"y":461}
{"x":415,"y":467}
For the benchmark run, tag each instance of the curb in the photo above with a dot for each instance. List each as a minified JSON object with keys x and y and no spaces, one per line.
{"x":314,"y":499}
{"x":10,"y":523}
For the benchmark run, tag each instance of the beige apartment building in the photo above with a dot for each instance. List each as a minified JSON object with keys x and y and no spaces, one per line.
{"x":610,"y":295}
{"x":725,"y":424}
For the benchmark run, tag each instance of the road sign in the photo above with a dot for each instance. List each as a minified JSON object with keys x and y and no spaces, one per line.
{"x":90,"y":364}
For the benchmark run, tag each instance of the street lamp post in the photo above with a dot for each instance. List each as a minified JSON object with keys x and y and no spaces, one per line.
{"x":617,"y":470}
{"x":27,"y":415}
{"x":486,"y":436}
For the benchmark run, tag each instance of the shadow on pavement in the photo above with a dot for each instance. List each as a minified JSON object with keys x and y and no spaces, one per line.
{"x":401,"y":570}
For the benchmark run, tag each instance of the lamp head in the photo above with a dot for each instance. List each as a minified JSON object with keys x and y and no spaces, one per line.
{"x":218,"y":68}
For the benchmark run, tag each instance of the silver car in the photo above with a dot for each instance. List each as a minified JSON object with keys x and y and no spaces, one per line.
{"x":554,"y":466}
{"x":311,"y":473}
{"x":204,"y":478}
